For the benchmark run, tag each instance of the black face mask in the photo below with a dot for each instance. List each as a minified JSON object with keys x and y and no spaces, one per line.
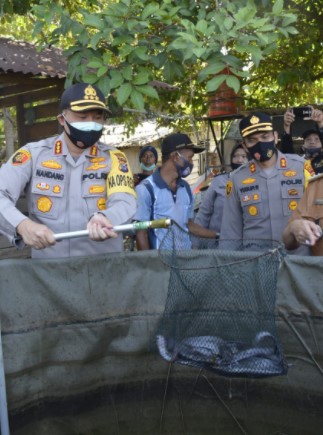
{"x":311,"y":152}
{"x":317,"y":164}
{"x":235,"y":166}
{"x":88,"y":138}
{"x":263,"y":151}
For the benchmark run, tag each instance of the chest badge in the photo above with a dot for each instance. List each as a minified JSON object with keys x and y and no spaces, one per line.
{"x":44,"y":204}
{"x":253,"y":210}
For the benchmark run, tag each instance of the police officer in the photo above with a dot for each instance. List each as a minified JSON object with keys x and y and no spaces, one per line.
{"x":72,"y":182}
{"x":262,"y":194}
{"x":211,"y":208}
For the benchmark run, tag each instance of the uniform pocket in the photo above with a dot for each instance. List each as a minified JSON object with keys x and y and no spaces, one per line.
{"x":252,"y":206}
{"x":47,"y":197}
{"x":290,"y":198}
{"x":94,"y":194}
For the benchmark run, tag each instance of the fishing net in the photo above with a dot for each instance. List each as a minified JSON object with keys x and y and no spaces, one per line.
{"x":220,"y":308}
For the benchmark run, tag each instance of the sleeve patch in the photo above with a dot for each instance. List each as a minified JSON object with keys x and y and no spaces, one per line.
{"x":120,"y":178}
{"x":20,"y":157}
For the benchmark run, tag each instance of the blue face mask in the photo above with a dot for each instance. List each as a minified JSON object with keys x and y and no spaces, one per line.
{"x":185,"y":170}
{"x":147,"y":168}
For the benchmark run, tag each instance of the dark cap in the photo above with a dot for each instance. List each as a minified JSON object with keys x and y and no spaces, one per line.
{"x":255,"y":122}
{"x":81,"y":97}
{"x":312,"y":131}
{"x":148,"y":148}
{"x":177,"y":142}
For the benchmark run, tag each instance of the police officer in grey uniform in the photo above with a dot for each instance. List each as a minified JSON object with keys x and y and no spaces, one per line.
{"x":262,"y":194}
{"x":211,"y":209}
{"x":72,"y":182}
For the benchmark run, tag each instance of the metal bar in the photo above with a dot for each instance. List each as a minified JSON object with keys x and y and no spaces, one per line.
{"x":4,"y":420}
{"x":135,"y":226}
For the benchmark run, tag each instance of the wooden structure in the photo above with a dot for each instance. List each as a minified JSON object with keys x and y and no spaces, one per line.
{"x":31,"y":82}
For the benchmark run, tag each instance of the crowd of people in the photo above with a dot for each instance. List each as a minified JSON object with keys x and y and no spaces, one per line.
{"x":74,"y":181}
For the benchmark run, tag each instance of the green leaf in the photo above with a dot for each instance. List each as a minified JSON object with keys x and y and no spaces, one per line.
{"x":289,"y":19}
{"x":95,"y":64}
{"x":141,"y":53}
{"x":91,"y":20}
{"x":123,"y":93}
{"x":213,"y":84}
{"x":233,"y":82}
{"x":127,"y":72}
{"x":95,"y":39}
{"x":199,"y":52}
{"x":116,"y":79}
{"x":213,"y":68}
{"x":104,"y":84}
{"x":89,"y":78}
{"x":103,"y":70}
{"x":201,"y":26}
{"x":278,"y":7}
{"x":137,"y":100}
{"x":141,"y":78}
{"x":244,"y":15}
{"x":291,"y":30}
{"x":150,"y":9}
{"x":228,"y":23}
{"x":149,"y":91}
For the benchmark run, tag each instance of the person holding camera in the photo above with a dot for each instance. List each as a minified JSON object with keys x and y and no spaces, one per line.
{"x":312,"y":138}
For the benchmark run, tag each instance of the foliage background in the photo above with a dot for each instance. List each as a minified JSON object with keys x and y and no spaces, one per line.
{"x":272,"y":50}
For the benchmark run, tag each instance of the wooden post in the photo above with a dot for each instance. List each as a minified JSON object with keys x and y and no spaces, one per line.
{"x":9,"y":132}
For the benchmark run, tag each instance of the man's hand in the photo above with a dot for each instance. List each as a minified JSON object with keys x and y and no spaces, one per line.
{"x":100,"y":228}
{"x":36,"y":235}
{"x":317,"y":116}
{"x":289,"y":118}
{"x":304,"y":231}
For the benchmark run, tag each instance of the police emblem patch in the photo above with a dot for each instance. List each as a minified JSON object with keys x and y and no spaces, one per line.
{"x":229,"y":188}
{"x":101,"y":204}
{"x":253,"y":210}
{"x":254,"y":120}
{"x":21,"y":157}
{"x":44,"y":204}
{"x":292,"y":205}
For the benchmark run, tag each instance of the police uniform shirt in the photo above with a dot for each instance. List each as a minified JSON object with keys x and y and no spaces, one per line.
{"x":259,"y":204}
{"x":159,"y":201}
{"x":63,"y":193}
{"x":211,"y":209}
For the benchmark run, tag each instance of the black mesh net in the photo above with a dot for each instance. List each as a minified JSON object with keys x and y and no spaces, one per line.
{"x":220,"y":309}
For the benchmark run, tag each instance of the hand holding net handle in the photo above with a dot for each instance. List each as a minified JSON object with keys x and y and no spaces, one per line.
{"x":135,"y":226}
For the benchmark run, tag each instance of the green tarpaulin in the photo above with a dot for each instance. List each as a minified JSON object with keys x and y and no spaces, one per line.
{"x":77,"y":344}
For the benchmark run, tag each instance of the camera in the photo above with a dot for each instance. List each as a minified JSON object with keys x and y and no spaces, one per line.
{"x":302,"y":112}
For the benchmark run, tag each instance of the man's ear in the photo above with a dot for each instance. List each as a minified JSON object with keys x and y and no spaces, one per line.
{"x":245,"y":148}
{"x":60,"y":119}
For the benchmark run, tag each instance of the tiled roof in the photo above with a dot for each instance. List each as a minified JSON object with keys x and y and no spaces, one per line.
{"x":23,"y":57}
